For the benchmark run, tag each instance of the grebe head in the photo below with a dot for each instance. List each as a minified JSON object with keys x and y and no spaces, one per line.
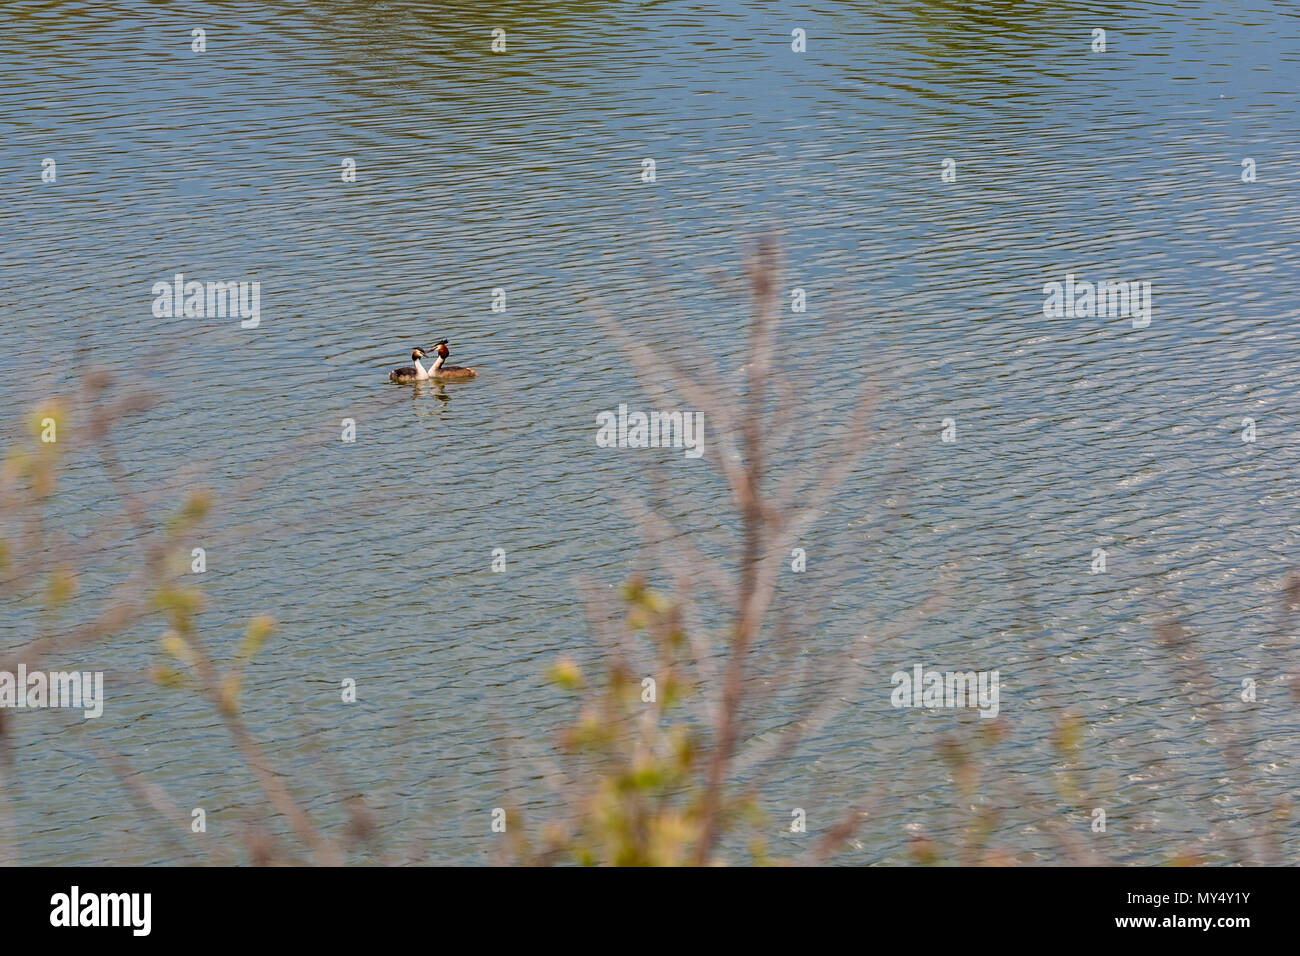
{"x":441,"y":348}
{"x":417,"y":354}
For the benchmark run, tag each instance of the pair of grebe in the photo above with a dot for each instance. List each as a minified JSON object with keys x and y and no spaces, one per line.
{"x":436,"y":372}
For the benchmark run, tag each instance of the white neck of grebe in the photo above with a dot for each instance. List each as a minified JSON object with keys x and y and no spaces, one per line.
{"x":419,"y":370}
{"x":437,"y":364}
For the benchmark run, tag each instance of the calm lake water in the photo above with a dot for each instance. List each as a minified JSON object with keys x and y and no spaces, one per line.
{"x":522,"y":171}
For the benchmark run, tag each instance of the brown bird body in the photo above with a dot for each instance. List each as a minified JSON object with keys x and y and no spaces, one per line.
{"x":410,"y":373}
{"x":448,"y":372}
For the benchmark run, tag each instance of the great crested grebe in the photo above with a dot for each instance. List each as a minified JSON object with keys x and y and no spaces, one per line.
{"x":448,"y":372}
{"x":408,"y":374}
